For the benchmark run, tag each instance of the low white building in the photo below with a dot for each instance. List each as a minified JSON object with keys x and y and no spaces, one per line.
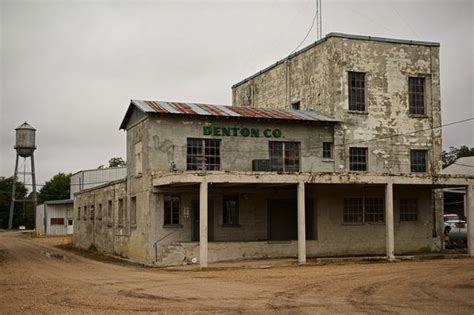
{"x":55,"y":217}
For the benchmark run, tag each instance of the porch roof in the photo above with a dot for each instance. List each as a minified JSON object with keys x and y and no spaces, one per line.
{"x":221,"y":177}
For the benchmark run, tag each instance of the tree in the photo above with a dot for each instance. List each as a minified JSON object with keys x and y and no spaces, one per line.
{"x":56,"y":188}
{"x":449,"y":157}
{"x":117,"y":162}
{"x":5,"y":201}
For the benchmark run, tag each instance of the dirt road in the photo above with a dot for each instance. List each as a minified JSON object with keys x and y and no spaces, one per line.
{"x":35,"y":278}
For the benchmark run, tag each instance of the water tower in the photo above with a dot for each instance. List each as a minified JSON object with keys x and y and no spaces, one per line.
{"x":25,"y":147}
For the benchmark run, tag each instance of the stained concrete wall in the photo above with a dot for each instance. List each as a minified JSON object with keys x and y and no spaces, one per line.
{"x":166,"y":139}
{"x":318,"y":79}
{"x":101,"y":229}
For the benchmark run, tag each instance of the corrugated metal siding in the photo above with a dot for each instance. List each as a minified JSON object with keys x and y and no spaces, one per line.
{"x":58,"y":211}
{"x":227,"y":111}
{"x":91,"y":178}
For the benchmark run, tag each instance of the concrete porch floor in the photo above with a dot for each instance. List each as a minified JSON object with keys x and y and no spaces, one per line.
{"x":282,"y":262}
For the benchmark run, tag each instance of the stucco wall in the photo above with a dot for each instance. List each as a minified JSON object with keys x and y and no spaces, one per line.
{"x":318,"y":79}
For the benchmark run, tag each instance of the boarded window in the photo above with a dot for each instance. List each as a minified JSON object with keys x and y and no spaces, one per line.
{"x":284,"y":156}
{"x":57,"y":221}
{"x":99,"y":212}
{"x":230,"y":211}
{"x":120,"y":212}
{"x":408,"y":209}
{"x":133,"y":211}
{"x":358,"y":159}
{"x":138,"y":158}
{"x":109,"y":209}
{"x":203,"y":154}
{"x":418,"y":161}
{"x":416,"y":95}
{"x":92,"y":212}
{"x":171,"y":210}
{"x":357,"y":91}
{"x":78,"y":213}
{"x":85,"y":212}
{"x":327,"y":150}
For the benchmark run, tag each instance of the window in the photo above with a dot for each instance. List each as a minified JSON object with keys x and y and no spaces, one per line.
{"x":109,"y":209}
{"x":171,"y":210}
{"x":416,"y":95}
{"x":230,"y":214}
{"x":70,"y":222}
{"x":327,"y":150}
{"x":358,"y":159}
{"x":418,"y":161}
{"x":133,"y":211}
{"x":85,"y":212}
{"x":57,"y":221}
{"x":295,"y":105}
{"x":92,"y":212}
{"x":408,"y":209}
{"x":203,"y":154}
{"x":99,"y":212}
{"x":284,"y":156}
{"x":78,"y":213}
{"x":357,"y":91}
{"x":367,"y":209}
{"x":354,"y":210}
{"x":138,"y":158}
{"x":120,"y":212}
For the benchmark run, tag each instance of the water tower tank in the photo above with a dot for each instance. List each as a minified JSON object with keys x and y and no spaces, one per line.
{"x":25,"y":140}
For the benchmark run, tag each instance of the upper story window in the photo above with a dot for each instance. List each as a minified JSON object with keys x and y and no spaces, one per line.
{"x":416,"y":95}
{"x":296,"y":105}
{"x":284,"y":156}
{"x":357,"y":91}
{"x":418,"y":161}
{"x":203,"y":154}
{"x":358,"y":159}
{"x":171,"y":210}
{"x":327,"y":150}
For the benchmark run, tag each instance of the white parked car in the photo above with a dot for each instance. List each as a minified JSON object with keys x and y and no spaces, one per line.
{"x":450,"y":221}
{"x":22,"y":227}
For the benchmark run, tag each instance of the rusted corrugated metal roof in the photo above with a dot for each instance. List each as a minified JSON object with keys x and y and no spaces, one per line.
{"x":228,"y":111}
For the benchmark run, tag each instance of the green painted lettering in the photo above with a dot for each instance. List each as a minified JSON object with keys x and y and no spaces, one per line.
{"x":226,"y":131}
{"x":244,"y":132}
{"x":216,"y":131}
{"x":254,"y":133}
{"x":276,"y":133}
{"x":207,"y":130}
{"x":267,"y":133}
{"x":234,"y":131}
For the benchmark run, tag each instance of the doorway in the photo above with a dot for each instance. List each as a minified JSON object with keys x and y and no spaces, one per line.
{"x":195,"y":220}
{"x":283,"y":219}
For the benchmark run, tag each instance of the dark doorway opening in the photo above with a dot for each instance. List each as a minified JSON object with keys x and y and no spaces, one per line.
{"x":195,"y":220}
{"x":283,"y":219}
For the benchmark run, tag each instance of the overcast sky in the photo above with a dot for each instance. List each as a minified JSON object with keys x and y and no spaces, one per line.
{"x":70,"y":67}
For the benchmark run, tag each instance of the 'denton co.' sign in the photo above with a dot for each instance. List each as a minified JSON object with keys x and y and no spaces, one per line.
{"x":241,"y":132}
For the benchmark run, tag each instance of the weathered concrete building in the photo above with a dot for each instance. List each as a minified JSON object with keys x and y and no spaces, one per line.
{"x":334,"y":150}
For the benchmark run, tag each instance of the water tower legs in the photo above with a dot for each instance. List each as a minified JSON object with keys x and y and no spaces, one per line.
{"x":33,"y":200}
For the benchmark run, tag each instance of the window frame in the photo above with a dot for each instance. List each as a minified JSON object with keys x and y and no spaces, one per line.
{"x":363,"y":213}
{"x":57,"y":221}
{"x":133,"y":211}
{"x":354,"y":99}
{"x":284,"y":159}
{"x":235,"y":216}
{"x":353,"y":163}
{"x":407,"y":215}
{"x":415,"y":96}
{"x":203,"y":155}
{"x":330,"y":150}
{"x":418,"y":167}
{"x":172,"y":199}
{"x":120,"y":213}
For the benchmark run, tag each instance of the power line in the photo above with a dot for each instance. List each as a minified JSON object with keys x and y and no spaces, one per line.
{"x":310,"y":29}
